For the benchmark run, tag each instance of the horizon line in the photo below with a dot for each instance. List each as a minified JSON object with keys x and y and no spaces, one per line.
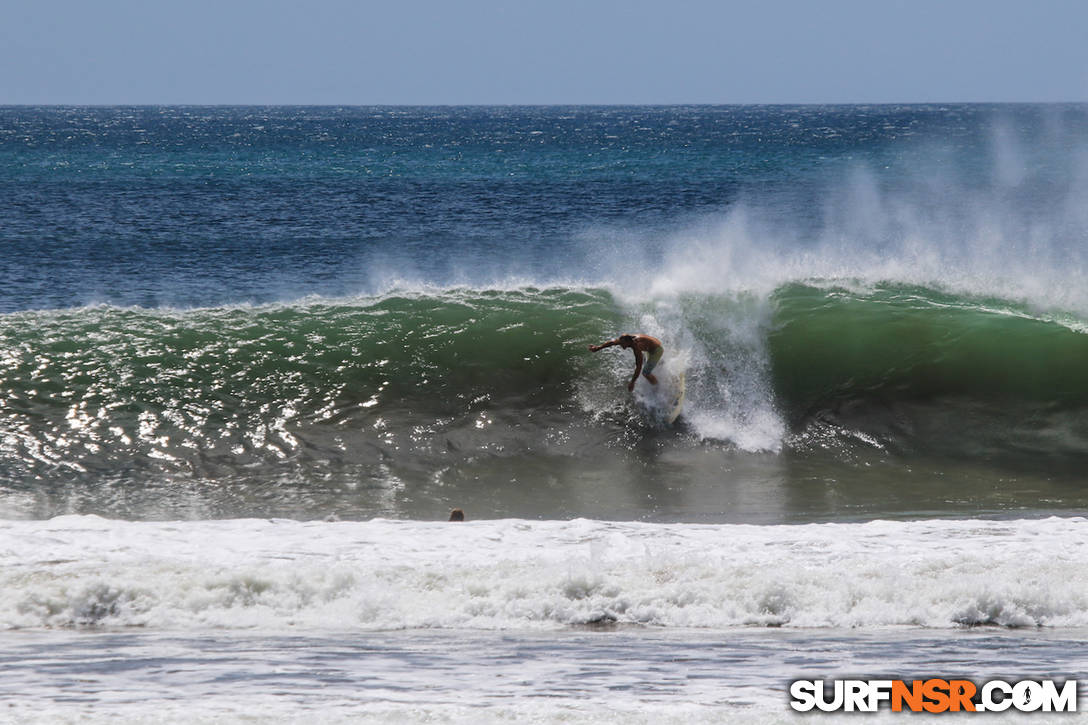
{"x":539,"y":105}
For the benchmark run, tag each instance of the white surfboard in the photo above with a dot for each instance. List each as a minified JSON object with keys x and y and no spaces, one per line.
{"x":675,"y":400}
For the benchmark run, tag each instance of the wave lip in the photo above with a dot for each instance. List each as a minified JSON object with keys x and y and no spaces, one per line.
{"x":80,"y":571}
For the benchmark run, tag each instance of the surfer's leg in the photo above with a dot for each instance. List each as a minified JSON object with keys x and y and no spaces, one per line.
{"x":651,"y":363}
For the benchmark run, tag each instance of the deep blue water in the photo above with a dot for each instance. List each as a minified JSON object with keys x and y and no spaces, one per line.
{"x":192,"y":206}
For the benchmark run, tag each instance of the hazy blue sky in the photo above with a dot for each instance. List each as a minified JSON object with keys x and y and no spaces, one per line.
{"x":554,"y":51}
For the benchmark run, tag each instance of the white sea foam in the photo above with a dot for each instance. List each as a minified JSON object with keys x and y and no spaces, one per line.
{"x":514,"y":574}
{"x":722,"y":346}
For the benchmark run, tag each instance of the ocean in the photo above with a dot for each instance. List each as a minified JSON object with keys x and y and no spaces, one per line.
{"x":250,"y":359}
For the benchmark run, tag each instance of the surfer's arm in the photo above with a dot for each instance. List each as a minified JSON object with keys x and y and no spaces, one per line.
{"x":638,"y":370}
{"x":603,"y":345}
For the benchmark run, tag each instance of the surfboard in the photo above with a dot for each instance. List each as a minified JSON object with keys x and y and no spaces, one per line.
{"x":675,"y":399}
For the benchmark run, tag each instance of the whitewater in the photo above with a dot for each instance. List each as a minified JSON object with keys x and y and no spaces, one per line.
{"x":511,"y":620}
{"x":86,"y":572}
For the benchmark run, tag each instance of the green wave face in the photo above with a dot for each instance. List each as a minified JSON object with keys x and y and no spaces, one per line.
{"x":200,"y":389}
{"x":407,"y":385}
{"x":920,"y":371}
{"x":897,"y":342}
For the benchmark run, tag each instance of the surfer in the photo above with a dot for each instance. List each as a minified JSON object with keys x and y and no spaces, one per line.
{"x":640,"y":344}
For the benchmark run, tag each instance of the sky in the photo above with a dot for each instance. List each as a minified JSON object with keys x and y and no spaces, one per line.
{"x":437,"y":52}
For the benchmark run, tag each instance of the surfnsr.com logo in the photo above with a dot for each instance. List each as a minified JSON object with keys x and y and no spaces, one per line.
{"x":933,"y":695}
